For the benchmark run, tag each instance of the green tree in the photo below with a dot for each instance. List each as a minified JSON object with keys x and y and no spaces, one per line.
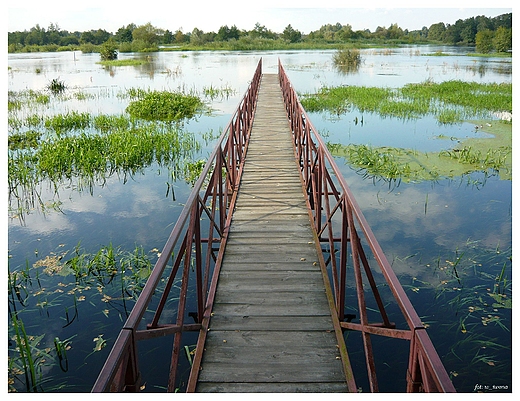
{"x":482,"y":22}
{"x":436,"y":31}
{"x":53,"y":34}
{"x":69,"y":40}
{"x":452,"y":34}
{"x":124,"y":34}
{"x":345,"y":33}
{"x":95,"y":37}
{"x":168,"y":37}
{"x":260,"y":31}
{"x":226,"y":33}
{"x":181,"y":37}
{"x":147,"y":34}
{"x":469,"y":30}
{"x":503,"y":40}
{"x":484,"y":41}
{"x":381,"y":32}
{"x":394,"y":32}
{"x":291,"y":35}
{"x":197,"y":37}
{"x":36,"y":36}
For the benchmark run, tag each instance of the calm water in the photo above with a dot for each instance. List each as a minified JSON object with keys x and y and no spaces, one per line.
{"x":447,"y":241}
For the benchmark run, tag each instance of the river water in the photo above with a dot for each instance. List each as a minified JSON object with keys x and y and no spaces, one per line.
{"x":449,"y":241}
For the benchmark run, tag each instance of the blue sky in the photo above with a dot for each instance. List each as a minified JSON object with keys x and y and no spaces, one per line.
{"x":210,"y":15}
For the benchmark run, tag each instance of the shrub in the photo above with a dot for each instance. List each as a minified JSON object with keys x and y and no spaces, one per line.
{"x":108,"y":50}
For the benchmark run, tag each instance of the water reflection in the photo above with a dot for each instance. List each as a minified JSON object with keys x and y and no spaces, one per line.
{"x":420,"y":226}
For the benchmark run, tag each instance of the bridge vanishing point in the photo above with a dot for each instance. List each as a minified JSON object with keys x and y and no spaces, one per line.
{"x":277,"y":247}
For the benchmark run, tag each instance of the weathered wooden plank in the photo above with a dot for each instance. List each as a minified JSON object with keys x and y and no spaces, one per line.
{"x":270,"y":372}
{"x":329,"y":387}
{"x":238,"y":265}
{"x":318,"y":339}
{"x":268,"y":301}
{"x":244,"y":241}
{"x":261,"y":244}
{"x":280,"y":353}
{"x":269,"y":258}
{"x":294,"y":278}
{"x":271,"y":323}
{"x":285,"y":305}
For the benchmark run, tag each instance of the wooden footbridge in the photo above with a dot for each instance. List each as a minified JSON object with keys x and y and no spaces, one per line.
{"x":265,"y":257}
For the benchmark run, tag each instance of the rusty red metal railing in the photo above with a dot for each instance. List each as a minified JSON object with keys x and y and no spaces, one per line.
{"x":196,"y":242}
{"x":335,"y":216}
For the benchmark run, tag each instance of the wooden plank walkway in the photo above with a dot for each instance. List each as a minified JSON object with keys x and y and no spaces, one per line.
{"x":271,"y":329}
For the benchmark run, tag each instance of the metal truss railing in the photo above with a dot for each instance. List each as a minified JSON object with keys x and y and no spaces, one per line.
{"x":196,"y":243}
{"x":341,"y":229}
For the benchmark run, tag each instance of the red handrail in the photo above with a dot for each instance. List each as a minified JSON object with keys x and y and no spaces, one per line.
{"x":212,"y":198}
{"x":335,"y":217}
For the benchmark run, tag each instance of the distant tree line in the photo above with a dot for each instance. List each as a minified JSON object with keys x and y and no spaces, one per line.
{"x":487,"y":34}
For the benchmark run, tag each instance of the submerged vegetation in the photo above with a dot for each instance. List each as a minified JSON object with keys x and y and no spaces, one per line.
{"x":395,"y":164}
{"x":110,"y":279}
{"x":471,"y":283}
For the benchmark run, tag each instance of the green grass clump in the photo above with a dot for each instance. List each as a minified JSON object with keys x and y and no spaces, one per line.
{"x":95,"y":156}
{"x":89,"y":159}
{"x":341,"y":99}
{"x":450,"y":101}
{"x":124,"y":62}
{"x":61,"y":123}
{"x":24,"y":140}
{"x":106,"y":123}
{"x":164,"y":106}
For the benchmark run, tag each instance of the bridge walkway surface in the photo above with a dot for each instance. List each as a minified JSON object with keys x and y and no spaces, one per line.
{"x":271,"y":328}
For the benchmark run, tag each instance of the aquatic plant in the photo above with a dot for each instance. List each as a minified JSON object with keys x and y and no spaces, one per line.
{"x":378,"y":162}
{"x":60,"y":123}
{"x":449,"y":101}
{"x":389,"y":163}
{"x":121,"y":148}
{"x":223,"y":92}
{"x":467,"y":295}
{"x":109,"y":275}
{"x":56,"y":87}
{"x":347,"y":59}
{"x":28,"y":139}
{"x":124,"y":62}
{"x":30,"y":360}
{"x":192,"y":171}
{"x":164,"y":106}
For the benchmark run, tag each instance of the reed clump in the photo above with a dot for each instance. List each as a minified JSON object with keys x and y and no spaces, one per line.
{"x":347,"y":59}
{"x":56,"y":86}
